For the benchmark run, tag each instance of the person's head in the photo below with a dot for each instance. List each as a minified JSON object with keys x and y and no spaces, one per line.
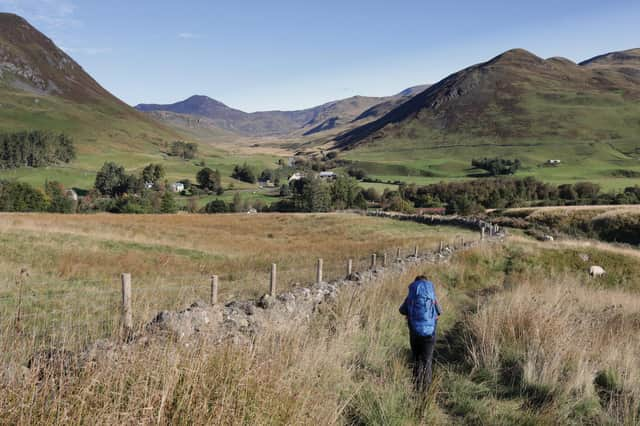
{"x":421,"y":278}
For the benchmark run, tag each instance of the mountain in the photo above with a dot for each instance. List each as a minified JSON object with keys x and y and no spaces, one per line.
{"x":514,"y":98}
{"x":42,"y":87}
{"x":331,"y":116}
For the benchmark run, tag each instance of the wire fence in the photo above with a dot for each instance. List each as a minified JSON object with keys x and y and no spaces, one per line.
{"x":93,"y":307}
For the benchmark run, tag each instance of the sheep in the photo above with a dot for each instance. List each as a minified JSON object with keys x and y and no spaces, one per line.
{"x":596,"y":271}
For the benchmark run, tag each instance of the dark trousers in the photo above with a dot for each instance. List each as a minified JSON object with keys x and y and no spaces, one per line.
{"x":422,"y":349}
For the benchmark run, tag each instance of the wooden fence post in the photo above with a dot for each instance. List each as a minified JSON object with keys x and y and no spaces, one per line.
{"x":415,"y":252}
{"x":272,"y":287}
{"x":441,"y":246}
{"x":319,"y":271}
{"x":398,"y":253}
{"x":384,"y":260}
{"x":127,"y":312}
{"x":349,"y":267}
{"x":482,"y":233}
{"x":214,"y":290}
{"x":374,"y":259}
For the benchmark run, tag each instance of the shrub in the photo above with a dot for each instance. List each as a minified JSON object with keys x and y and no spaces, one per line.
{"x":244,"y":173}
{"x":497,"y":166}
{"x":20,"y":197}
{"x":216,"y":206}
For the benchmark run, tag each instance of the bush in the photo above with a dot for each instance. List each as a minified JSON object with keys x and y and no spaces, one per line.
{"x":20,"y":197}
{"x":244,"y":173}
{"x":357,"y":173}
{"x":216,"y":206}
{"x":111,"y":180}
{"x":59,"y":202}
{"x":184,"y":150}
{"x":496,"y":166}
{"x":210,"y":180}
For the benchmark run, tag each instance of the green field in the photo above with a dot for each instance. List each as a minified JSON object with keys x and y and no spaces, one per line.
{"x":424,"y":160}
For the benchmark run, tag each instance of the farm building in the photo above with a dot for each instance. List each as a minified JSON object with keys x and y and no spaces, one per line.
{"x":327,"y":175}
{"x":177,"y":187}
{"x":553,"y":162}
{"x":296,"y":176}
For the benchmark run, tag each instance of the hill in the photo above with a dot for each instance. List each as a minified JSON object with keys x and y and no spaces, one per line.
{"x":43,"y":88}
{"x":332,"y":116}
{"x":516,"y":104}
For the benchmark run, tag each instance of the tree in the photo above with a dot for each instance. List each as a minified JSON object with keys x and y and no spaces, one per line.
{"x":244,"y":173}
{"x":371,"y":194}
{"x":497,"y":166}
{"x":238,"y":204}
{"x":35,"y":149}
{"x":209,"y":180}
{"x":312,"y":195}
{"x":357,"y":173}
{"x":20,"y":197}
{"x":344,"y":191}
{"x":216,"y":206}
{"x":59,"y":202}
{"x":168,"y":203}
{"x":153,"y":174}
{"x":184,"y":150}
{"x":267,"y":174}
{"x":111,"y":180}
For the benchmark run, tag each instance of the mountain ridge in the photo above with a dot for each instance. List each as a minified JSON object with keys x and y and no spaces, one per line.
{"x":461,"y":100}
{"x":304,"y":122}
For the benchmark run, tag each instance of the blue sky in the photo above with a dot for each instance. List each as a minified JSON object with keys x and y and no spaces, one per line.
{"x":286,"y":54}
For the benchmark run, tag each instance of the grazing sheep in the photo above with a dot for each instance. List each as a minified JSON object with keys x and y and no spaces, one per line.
{"x":548,"y":238}
{"x":596,"y":271}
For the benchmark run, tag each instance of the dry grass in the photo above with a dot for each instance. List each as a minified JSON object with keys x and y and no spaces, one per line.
{"x":75,"y":261}
{"x":562,"y":334}
{"x":347,"y":366}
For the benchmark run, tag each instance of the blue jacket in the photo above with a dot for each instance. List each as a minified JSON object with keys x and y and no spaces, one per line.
{"x":421,"y":308}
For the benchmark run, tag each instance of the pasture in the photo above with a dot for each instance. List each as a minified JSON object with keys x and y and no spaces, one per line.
{"x":74,"y":261}
{"x":500,"y":359}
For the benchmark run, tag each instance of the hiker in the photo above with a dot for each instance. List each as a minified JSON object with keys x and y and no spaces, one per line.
{"x":422,"y":311}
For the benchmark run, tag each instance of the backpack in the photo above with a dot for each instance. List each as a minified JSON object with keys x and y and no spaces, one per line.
{"x":421,"y":309}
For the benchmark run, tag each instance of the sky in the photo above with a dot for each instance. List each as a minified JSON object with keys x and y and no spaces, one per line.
{"x":293,"y":54}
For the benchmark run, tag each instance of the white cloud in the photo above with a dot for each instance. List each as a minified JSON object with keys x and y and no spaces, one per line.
{"x":188,"y":36}
{"x":51,"y":13}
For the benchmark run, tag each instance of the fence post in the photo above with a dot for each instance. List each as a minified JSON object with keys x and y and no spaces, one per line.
{"x":462,"y":240}
{"x":398,"y":253}
{"x":349,"y":267}
{"x":214,"y":290}
{"x":374,"y":258}
{"x":415,"y":252}
{"x":384,"y":260}
{"x":319,"y":271}
{"x":272,"y":286}
{"x":127,"y":312}
{"x":441,"y":246}
{"x":482,"y":233}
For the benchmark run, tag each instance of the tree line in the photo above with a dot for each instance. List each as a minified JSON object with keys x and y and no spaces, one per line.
{"x":35,"y":149}
{"x":475,"y":195}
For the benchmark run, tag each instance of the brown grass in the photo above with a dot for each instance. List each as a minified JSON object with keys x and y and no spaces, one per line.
{"x":75,"y":261}
{"x":565,"y":334}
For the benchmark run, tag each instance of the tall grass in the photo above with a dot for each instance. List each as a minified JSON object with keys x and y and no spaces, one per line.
{"x":74,"y":262}
{"x":565,"y":343}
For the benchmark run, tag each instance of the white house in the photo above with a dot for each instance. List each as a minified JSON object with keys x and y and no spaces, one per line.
{"x":296,"y":176}
{"x":327,"y":175}
{"x":177,"y":187}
